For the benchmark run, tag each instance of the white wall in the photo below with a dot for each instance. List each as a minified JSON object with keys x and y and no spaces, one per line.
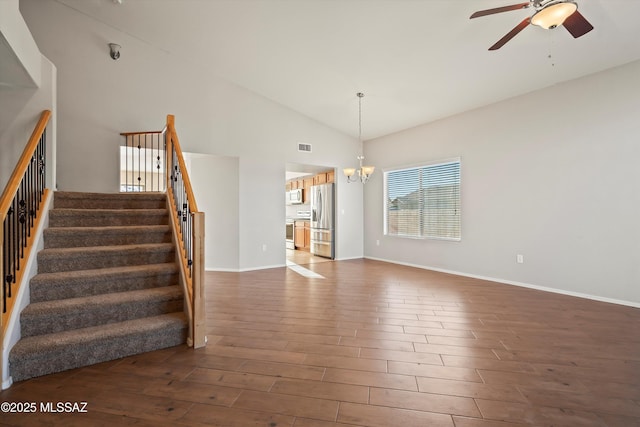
{"x":25,"y":106}
{"x":215,"y":181}
{"x":553,"y":175}
{"x":98,"y":98}
{"x":20,"y":64}
{"x":27,"y":87}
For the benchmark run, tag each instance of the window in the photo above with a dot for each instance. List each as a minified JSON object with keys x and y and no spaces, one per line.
{"x":423,"y":201}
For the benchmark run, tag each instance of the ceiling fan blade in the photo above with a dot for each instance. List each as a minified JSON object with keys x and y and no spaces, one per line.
{"x":500,"y":9}
{"x":577,"y":25}
{"x":511,"y":34}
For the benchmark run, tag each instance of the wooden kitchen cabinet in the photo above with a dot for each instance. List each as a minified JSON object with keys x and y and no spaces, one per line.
{"x":320,"y":178}
{"x":306,"y":192}
{"x":302,"y":235}
{"x":298,"y":237}
{"x":324,"y":178}
{"x":307,"y":236}
{"x":330,"y":176}
{"x":308,"y":182}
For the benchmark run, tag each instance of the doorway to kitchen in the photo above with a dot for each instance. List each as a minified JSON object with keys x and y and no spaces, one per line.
{"x":310,"y":213}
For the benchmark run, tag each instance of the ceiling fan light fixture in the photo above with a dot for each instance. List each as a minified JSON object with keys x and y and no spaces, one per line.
{"x":554,"y":14}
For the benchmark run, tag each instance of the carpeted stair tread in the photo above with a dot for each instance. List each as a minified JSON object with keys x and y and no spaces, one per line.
{"x":45,"y":354}
{"x":74,"y":313}
{"x":79,"y":283}
{"x":68,"y":259}
{"x":64,"y":199}
{"x":64,"y":237}
{"x":70,"y":217}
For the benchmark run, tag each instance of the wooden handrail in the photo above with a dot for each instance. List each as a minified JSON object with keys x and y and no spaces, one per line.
{"x":187,"y":182}
{"x":14,"y":181}
{"x":141,"y":133}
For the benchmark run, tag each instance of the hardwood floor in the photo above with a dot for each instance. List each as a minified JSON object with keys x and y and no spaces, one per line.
{"x":370,"y":344}
{"x":303,"y":257}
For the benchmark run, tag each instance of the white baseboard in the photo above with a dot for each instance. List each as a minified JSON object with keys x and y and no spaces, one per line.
{"x":7,"y":383}
{"x":263,"y":267}
{"x":242,"y":270}
{"x":514,"y":283}
{"x":348,"y":258}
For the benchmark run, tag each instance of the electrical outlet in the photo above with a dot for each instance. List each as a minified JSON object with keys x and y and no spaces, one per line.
{"x":377,"y":242}
{"x":520,"y":259}
{"x":264,"y":247}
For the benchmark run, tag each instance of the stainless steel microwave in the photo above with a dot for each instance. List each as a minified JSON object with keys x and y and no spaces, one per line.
{"x":294,"y":197}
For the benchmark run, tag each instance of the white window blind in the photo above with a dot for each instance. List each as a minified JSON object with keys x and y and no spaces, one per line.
{"x":424,"y":201}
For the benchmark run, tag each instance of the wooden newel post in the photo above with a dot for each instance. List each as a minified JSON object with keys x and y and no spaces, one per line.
{"x":169,"y":149}
{"x":199,"y":318}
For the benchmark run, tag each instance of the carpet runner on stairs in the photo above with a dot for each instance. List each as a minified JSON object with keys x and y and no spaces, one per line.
{"x":107,"y":285}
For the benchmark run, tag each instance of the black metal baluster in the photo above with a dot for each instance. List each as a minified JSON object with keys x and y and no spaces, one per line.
{"x":126,"y":161}
{"x":138,"y":189}
{"x":14,"y":246}
{"x":5,"y":263}
{"x":44,"y":162}
{"x":160,"y":160}
{"x":153,"y":158}
{"x":27,"y":199}
{"x":185,"y":226}
{"x":145,"y":162}
{"x":158,"y":164}
{"x":39,"y":176}
{"x":33,"y":192}
{"x":23,"y":217}
{"x":190,"y":243}
{"x":33,"y":177}
{"x":19,"y":222}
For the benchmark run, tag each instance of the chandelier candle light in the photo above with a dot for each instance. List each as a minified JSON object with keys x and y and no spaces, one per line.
{"x":364,"y":172}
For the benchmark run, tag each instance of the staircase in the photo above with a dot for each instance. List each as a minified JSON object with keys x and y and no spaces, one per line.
{"x":107,"y":285}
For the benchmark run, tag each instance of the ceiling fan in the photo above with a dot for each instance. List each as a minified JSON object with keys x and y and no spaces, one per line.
{"x":549,"y":14}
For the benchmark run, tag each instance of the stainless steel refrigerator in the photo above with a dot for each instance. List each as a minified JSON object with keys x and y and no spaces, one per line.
{"x":322,"y":220}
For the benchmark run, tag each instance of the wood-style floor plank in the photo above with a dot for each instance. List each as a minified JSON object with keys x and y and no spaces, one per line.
{"x":369,"y":344}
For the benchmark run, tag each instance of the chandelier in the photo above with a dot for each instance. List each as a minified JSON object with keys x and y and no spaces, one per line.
{"x":363,"y":172}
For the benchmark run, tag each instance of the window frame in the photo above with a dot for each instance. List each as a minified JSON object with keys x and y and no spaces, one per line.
{"x":418,"y":166}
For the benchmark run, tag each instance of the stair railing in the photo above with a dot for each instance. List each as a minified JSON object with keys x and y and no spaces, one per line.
{"x":20,"y":213}
{"x":141,"y":161}
{"x":188,"y":224}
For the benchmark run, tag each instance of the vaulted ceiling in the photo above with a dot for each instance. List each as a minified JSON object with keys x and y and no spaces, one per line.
{"x":415,"y":60}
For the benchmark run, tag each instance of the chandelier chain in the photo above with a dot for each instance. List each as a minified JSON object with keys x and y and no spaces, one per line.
{"x":360,"y":95}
